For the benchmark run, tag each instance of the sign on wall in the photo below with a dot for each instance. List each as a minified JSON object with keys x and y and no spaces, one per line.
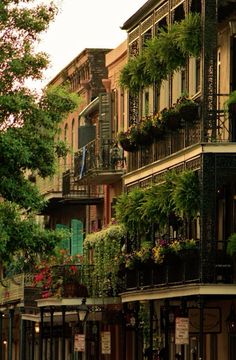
{"x":106,"y":342}
{"x":181,"y":331}
{"x":79,"y":342}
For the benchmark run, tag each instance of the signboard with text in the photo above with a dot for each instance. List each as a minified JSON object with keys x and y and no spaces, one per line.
{"x":79,"y":342}
{"x":106,"y":342}
{"x":181,"y":331}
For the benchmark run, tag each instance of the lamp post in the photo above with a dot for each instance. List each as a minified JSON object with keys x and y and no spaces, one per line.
{"x":79,"y":337}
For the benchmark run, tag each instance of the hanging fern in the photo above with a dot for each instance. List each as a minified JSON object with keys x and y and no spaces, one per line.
{"x":188,"y":35}
{"x":164,"y":54}
{"x":186,"y":194}
{"x":128,"y":211}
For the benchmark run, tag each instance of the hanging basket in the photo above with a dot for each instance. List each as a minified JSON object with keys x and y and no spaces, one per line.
{"x":189,"y":112}
{"x":127,"y":145}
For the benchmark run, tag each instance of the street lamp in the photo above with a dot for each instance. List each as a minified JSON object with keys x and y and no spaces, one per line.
{"x":82,"y":311}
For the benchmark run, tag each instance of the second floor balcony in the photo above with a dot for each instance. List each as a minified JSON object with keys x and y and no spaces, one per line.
{"x":72,"y":190}
{"x":99,"y":162}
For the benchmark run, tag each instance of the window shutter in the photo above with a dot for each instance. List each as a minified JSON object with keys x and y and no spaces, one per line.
{"x":86,"y":134}
{"x":76,"y":237}
{"x":65,"y":243}
{"x":105,"y":116}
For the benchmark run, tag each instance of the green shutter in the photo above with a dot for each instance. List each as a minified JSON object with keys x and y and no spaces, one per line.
{"x":105,"y":116}
{"x":65,"y":243}
{"x":76,"y":237}
{"x":86,"y":133}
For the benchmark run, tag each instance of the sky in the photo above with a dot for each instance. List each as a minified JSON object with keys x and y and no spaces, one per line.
{"x":84,"y":24}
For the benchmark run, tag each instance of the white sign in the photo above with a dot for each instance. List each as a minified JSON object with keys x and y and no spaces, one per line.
{"x":79,"y":342}
{"x":106,"y":342}
{"x":181,"y":331}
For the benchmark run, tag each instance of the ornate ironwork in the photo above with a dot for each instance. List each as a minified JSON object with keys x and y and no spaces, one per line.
{"x":133,"y":109}
{"x":148,"y":23}
{"x":208,"y":186}
{"x":133,"y":35}
{"x":194,"y":164}
{"x":175,"y":3}
{"x":134,"y":48}
{"x":161,"y":12}
{"x":209,"y":69}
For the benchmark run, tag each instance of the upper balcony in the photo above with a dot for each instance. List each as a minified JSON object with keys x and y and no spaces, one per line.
{"x":72,"y":190}
{"x":189,"y":133}
{"x":99,"y":162}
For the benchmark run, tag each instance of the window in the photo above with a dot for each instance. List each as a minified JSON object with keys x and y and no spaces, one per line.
{"x":197,"y":75}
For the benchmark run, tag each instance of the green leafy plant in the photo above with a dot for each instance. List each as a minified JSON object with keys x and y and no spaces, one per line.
{"x":106,"y":249}
{"x":230,"y":102}
{"x":231,"y":245}
{"x":54,"y":272}
{"x":171,"y":117}
{"x":188,"y":35}
{"x":164,"y":54}
{"x":187,"y":108}
{"x":186,"y":194}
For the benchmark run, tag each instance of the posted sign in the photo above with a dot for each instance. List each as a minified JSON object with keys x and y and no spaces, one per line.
{"x":79,"y":342}
{"x":181,"y":331}
{"x":106,"y":342}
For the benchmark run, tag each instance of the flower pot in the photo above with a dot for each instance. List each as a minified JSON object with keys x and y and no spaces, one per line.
{"x":173,"y":120}
{"x":127,"y":145}
{"x":73,"y":289}
{"x":189,"y":112}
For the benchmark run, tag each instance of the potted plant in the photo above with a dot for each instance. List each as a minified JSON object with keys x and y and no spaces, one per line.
{"x":188,"y":109}
{"x":59,"y":275}
{"x":230,"y":103}
{"x":171,"y":117}
{"x":126,"y":141}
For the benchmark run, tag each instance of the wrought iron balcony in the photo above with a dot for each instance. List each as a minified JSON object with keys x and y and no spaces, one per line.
{"x":18,"y":288}
{"x":190,"y":134}
{"x":177,"y":271}
{"x":99,"y":162}
{"x":72,"y":190}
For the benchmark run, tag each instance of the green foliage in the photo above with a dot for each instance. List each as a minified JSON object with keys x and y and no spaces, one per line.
{"x":177,"y":195}
{"x":230,"y":101}
{"x":129,"y":211}
{"x":134,"y":75}
{"x":231,"y":246}
{"x":188,"y":35}
{"x":29,"y":125}
{"x":23,"y":237}
{"x":106,"y":247}
{"x":164,"y":54}
{"x":186,"y":194}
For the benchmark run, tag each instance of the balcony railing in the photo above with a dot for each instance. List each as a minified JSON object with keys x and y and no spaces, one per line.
{"x":71,"y":189}
{"x":177,"y":271}
{"x":99,"y":162}
{"x":181,"y":139}
{"x":17,"y":288}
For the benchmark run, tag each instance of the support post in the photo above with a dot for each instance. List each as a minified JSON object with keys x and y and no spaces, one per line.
{"x":22,"y":338}
{"x":63,"y":310}
{"x":41,"y":334}
{"x":10,"y":334}
{"x":201,"y":330}
{"x":51,"y":333}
